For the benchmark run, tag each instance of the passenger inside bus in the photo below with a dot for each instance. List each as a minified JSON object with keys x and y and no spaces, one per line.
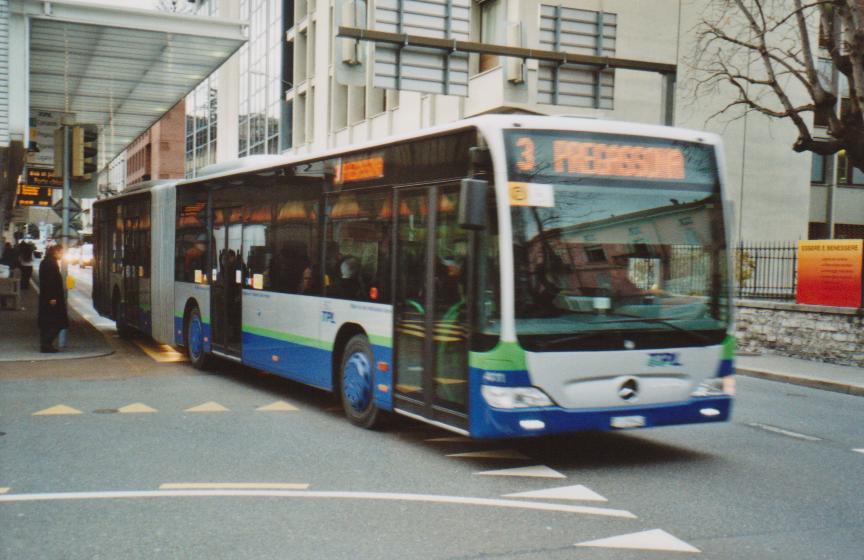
{"x":349,"y":285}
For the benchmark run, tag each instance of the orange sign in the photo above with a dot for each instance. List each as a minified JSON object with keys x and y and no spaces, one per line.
{"x":830,"y":272}
{"x":361,"y":170}
{"x":609,"y":160}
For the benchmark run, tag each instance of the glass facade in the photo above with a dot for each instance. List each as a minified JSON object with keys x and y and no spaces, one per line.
{"x":201,"y":113}
{"x":260,"y":78}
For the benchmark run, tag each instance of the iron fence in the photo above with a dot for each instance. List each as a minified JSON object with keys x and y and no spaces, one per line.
{"x":766,"y":270}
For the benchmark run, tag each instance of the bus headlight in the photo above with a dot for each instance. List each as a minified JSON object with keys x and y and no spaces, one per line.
{"x":514,"y":397}
{"x":715,"y":387}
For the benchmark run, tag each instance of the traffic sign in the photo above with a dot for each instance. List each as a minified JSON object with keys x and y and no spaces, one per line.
{"x":74,"y":208}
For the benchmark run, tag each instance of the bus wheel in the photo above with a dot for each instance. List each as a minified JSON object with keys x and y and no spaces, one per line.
{"x":193,"y":336}
{"x":356,"y":380}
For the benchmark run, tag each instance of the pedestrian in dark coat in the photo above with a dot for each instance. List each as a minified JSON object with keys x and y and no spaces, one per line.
{"x":52,"y":300}
{"x":25,"y":262}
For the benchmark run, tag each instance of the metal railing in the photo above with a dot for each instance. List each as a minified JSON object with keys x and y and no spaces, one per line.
{"x":766,"y":270}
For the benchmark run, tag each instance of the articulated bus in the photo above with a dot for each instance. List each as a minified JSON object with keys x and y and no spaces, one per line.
{"x":501,"y":276}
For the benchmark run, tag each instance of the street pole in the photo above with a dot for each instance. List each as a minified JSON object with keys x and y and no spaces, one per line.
{"x":67,"y":189}
{"x":67,"y":196}
{"x":832,"y":191}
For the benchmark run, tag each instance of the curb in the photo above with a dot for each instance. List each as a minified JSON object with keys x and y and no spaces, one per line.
{"x":823,"y":384}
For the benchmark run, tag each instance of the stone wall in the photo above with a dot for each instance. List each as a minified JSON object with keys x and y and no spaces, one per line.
{"x":812,"y":332}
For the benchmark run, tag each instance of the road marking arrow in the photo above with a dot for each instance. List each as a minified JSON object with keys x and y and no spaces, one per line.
{"x":278,"y":406}
{"x":57,"y":410}
{"x":577,"y":492}
{"x":136,"y":408}
{"x":208,"y":407}
{"x":537,"y":471}
{"x":655,"y":539}
{"x":491,"y":454}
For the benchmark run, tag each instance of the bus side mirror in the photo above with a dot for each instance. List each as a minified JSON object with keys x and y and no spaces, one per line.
{"x":472,"y":204}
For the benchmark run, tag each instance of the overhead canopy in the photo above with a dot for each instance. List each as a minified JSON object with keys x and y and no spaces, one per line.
{"x":120,"y":68}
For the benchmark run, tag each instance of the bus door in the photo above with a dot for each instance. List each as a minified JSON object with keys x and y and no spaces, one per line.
{"x":130,"y":311}
{"x":227,"y":288}
{"x":430,"y":330}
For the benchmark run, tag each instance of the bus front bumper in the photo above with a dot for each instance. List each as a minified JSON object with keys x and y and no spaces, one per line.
{"x":488,"y":422}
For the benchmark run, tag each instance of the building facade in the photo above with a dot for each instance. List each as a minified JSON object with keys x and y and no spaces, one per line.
{"x":296,"y":87}
{"x":158,"y":153}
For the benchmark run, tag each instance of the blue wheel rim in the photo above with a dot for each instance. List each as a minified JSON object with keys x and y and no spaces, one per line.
{"x":357,"y":381}
{"x":196,"y":337}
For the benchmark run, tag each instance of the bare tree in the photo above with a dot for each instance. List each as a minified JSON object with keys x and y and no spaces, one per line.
{"x":768,"y":51}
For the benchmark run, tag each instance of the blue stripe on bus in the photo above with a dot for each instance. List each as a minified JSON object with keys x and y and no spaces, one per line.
{"x":488,"y":422}
{"x":727,"y":367}
{"x":312,"y":365}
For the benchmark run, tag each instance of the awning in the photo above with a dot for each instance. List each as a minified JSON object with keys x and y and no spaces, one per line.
{"x":120,"y":68}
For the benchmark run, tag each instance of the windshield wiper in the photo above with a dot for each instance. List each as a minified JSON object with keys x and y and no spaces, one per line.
{"x":666,"y":322}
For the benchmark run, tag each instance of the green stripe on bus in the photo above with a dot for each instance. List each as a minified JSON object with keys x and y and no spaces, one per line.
{"x":730,"y":344}
{"x":287,"y":337}
{"x":385,"y":341}
{"x":507,"y":356}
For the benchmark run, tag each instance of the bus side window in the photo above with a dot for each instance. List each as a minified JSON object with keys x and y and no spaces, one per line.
{"x":357,"y":248}
{"x":293,"y":246}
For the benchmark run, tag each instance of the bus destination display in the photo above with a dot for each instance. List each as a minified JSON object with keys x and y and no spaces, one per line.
{"x":553,"y":154}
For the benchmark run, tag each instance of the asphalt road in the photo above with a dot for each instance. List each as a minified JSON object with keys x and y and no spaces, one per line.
{"x":153,"y":459}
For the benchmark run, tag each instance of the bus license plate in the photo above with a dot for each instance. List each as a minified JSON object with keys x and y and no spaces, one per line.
{"x":624,"y":422}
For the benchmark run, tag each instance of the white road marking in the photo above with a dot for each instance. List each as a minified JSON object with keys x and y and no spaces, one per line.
{"x":859,"y":450}
{"x":537,"y":471}
{"x":208,"y":407}
{"x":136,"y":408}
{"x":655,"y":539}
{"x":233,"y":486}
{"x":58,"y":410}
{"x":384,"y":496}
{"x":577,"y":492}
{"x":278,"y":406}
{"x":776,"y":430}
{"x":491,"y":454}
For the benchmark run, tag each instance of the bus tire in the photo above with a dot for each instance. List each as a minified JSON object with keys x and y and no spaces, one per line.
{"x":193,"y":338}
{"x":357,"y":384}
{"x":124,"y":331}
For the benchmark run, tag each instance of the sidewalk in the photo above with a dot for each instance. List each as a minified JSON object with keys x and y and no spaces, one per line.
{"x":819,"y":375}
{"x":19,"y":334}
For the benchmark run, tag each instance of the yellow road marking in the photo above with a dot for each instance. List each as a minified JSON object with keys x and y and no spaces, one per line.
{"x":160,"y":352}
{"x":4,"y":490}
{"x":208,"y":407}
{"x":57,"y":410}
{"x":233,"y":486}
{"x":135,"y":408}
{"x":278,"y":406}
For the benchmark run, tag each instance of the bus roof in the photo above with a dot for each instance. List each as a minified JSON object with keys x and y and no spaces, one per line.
{"x":488,"y":124}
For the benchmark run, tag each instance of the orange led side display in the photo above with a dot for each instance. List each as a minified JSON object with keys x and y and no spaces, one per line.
{"x":362,"y":169}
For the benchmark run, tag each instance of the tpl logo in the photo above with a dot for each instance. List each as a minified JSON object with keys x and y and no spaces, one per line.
{"x":661,"y":359}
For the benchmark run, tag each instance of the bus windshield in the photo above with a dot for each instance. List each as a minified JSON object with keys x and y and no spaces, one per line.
{"x":618,"y":241}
